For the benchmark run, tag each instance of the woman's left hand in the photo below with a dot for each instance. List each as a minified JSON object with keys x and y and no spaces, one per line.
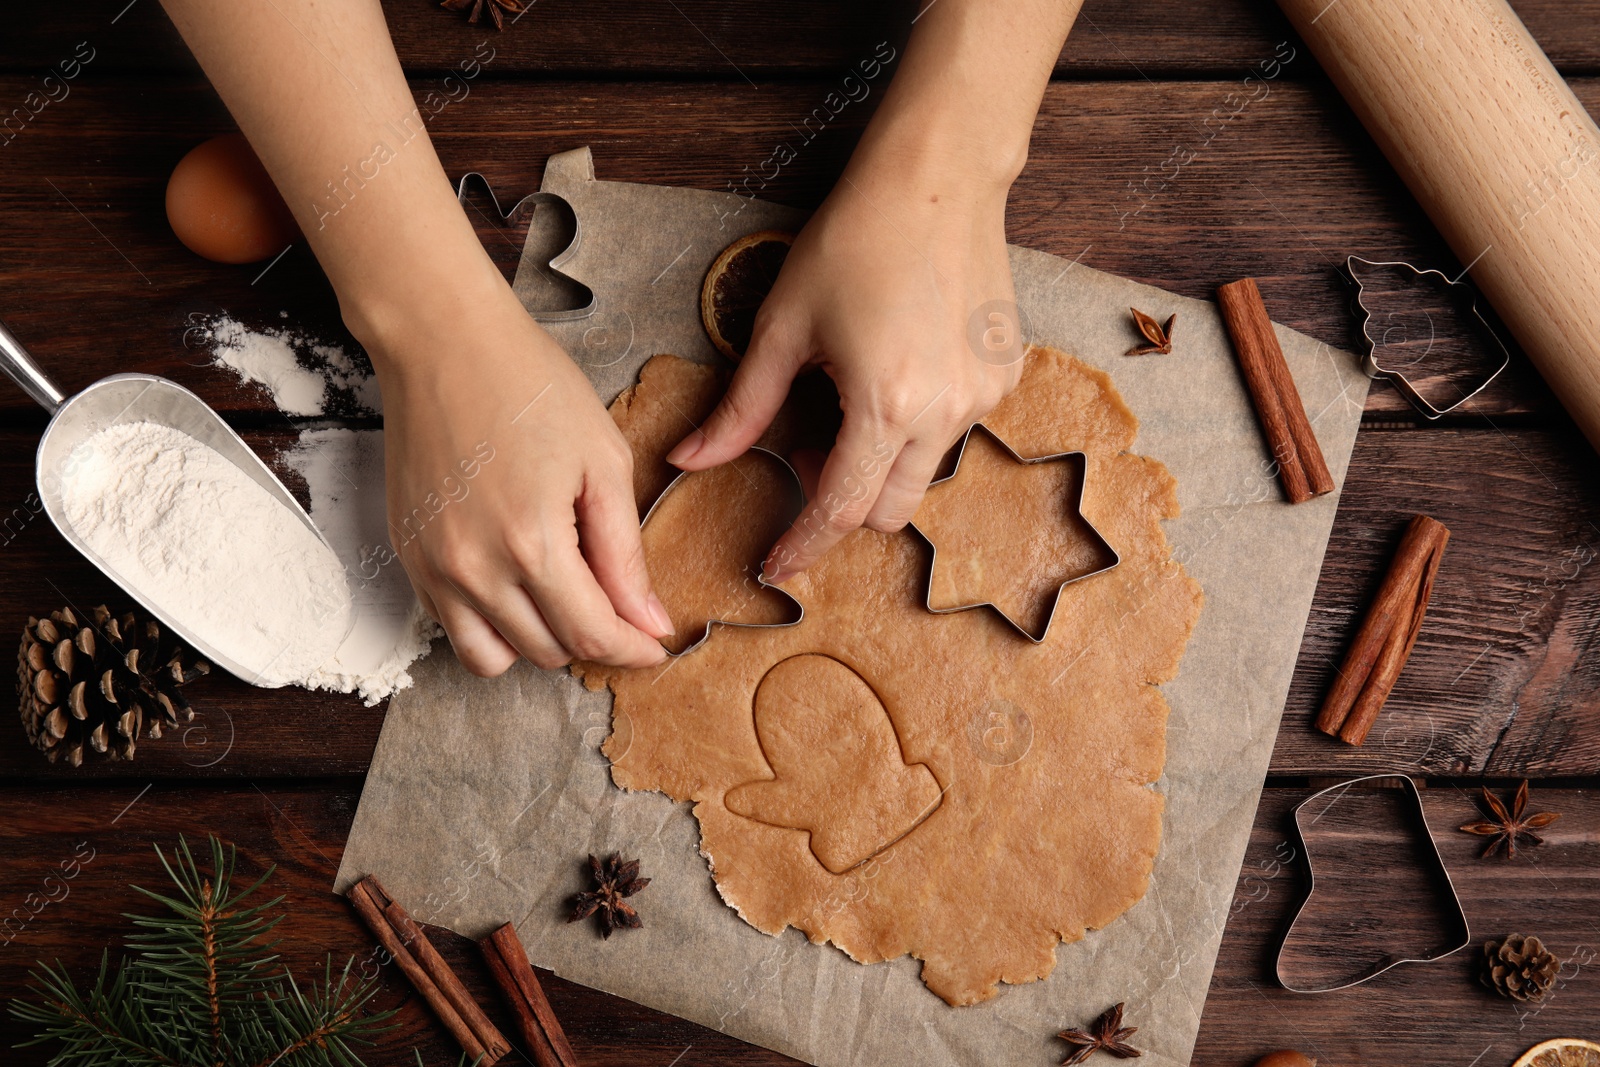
{"x":904,"y":296}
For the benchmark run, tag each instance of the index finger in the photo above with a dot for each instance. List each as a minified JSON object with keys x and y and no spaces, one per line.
{"x":851,"y":480}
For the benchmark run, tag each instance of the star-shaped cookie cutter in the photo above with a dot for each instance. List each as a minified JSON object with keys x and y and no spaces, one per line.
{"x":761,"y":578}
{"x":513,"y":215}
{"x":1391,"y":960}
{"x":1374,"y":369}
{"x":1075,"y":507}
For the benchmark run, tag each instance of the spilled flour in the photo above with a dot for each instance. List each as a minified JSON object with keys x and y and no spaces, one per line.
{"x":343,"y":472}
{"x":210,"y":548}
{"x":301,"y":374}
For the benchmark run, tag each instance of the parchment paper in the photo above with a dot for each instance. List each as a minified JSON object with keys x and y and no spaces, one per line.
{"x":484,"y":795}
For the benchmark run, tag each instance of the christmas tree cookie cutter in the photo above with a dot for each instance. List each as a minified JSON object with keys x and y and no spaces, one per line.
{"x":761,"y":578}
{"x":1074,"y":509}
{"x":1375,"y":369}
{"x":1430,"y":855}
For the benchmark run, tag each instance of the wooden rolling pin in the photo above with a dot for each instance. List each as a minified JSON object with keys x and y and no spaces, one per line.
{"x":1498,"y":151}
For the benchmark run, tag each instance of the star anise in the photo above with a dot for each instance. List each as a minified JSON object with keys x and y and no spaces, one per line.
{"x":1105,"y":1034}
{"x":1159,"y":335}
{"x":1509,"y":827}
{"x":613,"y":880}
{"x":496,"y":9}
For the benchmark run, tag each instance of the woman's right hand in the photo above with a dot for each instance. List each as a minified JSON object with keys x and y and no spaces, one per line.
{"x":510,"y":493}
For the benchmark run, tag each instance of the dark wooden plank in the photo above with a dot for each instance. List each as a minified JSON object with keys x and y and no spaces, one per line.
{"x":1188,"y":186}
{"x":302,"y":830}
{"x":1501,"y":681}
{"x":734,"y":38}
{"x":1417,"y":1013}
{"x":96,"y":283}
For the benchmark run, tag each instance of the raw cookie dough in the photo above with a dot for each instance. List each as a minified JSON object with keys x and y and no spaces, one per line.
{"x":1044,"y":755}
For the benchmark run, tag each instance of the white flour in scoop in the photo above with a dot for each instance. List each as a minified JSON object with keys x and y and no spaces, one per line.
{"x":211,"y":548}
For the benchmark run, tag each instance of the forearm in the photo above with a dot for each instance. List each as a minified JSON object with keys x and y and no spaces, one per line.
{"x":957,"y":118}
{"x":319,"y":92}
{"x":543,"y":558}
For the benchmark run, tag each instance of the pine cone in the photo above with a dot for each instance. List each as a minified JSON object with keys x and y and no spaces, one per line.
{"x":99,"y":685}
{"x":1519,"y":967}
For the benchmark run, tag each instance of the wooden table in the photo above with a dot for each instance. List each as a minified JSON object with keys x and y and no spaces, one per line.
{"x":1502,"y":685}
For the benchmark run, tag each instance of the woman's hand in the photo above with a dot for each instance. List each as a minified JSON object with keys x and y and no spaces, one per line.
{"x":510,"y":495}
{"x":891,"y":292}
{"x":900,"y":287}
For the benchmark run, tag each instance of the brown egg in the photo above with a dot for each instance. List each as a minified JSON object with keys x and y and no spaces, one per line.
{"x":1286,"y":1058}
{"x":223,"y":206}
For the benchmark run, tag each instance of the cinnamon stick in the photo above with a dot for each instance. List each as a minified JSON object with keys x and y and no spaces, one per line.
{"x":428,"y":973}
{"x":411,"y":934}
{"x":508,"y":963}
{"x":1301,"y":467}
{"x":1387,"y":634}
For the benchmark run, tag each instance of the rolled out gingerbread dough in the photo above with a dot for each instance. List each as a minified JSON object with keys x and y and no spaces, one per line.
{"x":896,"y":781}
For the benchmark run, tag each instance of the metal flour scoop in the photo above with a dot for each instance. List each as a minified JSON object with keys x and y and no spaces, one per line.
{"x":132,"y":398}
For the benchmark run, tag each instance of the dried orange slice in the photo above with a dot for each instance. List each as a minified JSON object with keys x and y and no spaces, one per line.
{"x":1561,"y":1052}
{"x":735,"y":286}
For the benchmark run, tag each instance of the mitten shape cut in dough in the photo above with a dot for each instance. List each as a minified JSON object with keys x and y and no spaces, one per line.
{"x":839,"y":773}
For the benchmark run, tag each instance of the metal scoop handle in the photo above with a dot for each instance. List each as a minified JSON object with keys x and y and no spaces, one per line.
{"x":19,"y":364}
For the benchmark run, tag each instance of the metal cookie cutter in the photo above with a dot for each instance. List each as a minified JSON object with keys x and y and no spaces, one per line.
{"x":1386,"y":962}
{"x":513,"y":215}
{"x":1370,"y":362}
{"x":1075,"y":508}
{"x":761,"y":580}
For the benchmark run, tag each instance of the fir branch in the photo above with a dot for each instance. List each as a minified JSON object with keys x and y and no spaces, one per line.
{"x":90,"y":1024}
{"x":203,"y":988}
{"x":204,"y":965}
{"x":328,"y":1021}
{"x":209,"y":957}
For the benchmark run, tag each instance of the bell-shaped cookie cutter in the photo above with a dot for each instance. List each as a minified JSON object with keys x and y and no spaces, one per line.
{"x":1392,"y":960}
{"x":512,"y":215}
{"x":1075,"y":506}
{"x":761,"y":578}
{"x":1374,"y":369}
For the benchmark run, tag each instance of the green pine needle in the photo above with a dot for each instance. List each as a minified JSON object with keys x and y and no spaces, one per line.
{"x":203,"y":988}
